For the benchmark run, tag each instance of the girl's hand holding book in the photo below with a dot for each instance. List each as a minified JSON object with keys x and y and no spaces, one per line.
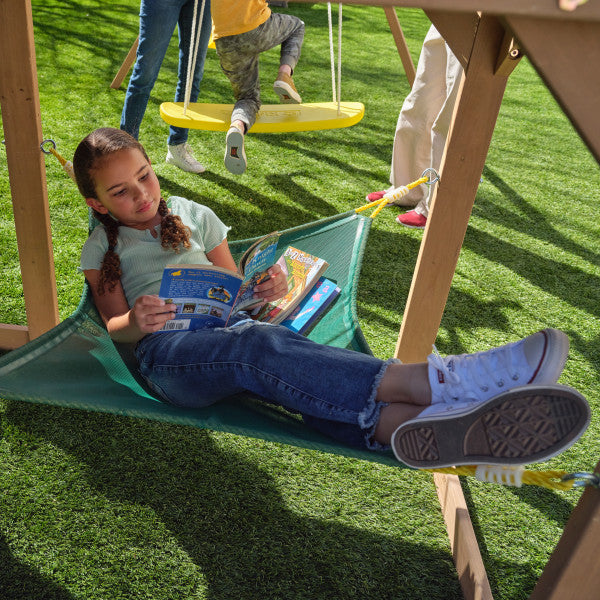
{"x":274,"y":287}
{"x":150,"y":313}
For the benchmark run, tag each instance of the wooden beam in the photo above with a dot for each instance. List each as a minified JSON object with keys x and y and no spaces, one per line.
{"x":463,"y":543}
{"x":20,"y":104}
{"x":565,"y":55}
{"x":474,"y":119}
{"x":13,"y":336}
{"x":458,"y":31}
{"x":127,"y":62}
{"x":546,"y":9}
{"x":403,"y":51}
{"x":572,"y":572}
{"x":510,"y":55}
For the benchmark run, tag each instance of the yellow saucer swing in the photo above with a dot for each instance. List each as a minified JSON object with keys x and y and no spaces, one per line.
{"x":272,"y":118}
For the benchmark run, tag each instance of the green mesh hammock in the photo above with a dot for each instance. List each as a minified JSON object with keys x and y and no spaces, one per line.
{"x":77,"y":365}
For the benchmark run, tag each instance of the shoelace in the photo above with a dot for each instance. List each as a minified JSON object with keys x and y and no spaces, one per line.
{"x":484,"y":368}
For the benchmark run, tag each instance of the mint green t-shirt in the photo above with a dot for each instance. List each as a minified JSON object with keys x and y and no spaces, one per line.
{"x":143,"y":259}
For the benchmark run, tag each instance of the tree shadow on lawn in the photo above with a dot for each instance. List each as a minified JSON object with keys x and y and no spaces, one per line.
{"x":523,"y":578}
{"x":520,"y":215}
{"x":228,"y":516}
{"x":19,"y":581}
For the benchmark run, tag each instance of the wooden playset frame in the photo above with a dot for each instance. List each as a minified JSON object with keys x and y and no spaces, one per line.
{"x":482,"y":34}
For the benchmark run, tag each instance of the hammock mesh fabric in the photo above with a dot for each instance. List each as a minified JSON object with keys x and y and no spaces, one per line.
{"x":76,"y":364}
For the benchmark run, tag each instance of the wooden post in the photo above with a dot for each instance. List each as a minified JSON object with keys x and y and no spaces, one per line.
{"x":463,"y":543}
{"x":129,"y":60}
{"x":562,"y":53}
{"x":403,"y":51}
{"x":474,"y":119}
{"x":572,"y":571}
{"x":19,"y":99}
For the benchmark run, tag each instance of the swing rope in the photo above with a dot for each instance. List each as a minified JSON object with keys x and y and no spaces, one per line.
{"x":49,"y":147}
{"x":194,"y":43}
{"x":399,"y":192}
{"x":516,"y":476}
{"x":336,"y":88}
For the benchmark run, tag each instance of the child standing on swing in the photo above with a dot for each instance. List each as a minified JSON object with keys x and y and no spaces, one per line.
{"x":496,"y":407}
{"x":242,"y":30}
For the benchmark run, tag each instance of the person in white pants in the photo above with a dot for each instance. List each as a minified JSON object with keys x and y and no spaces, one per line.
{"x":423,"y":125}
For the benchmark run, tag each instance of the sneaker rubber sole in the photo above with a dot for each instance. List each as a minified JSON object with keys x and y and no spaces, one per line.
{"x":235,"y":154}
{"x":525,"y":425}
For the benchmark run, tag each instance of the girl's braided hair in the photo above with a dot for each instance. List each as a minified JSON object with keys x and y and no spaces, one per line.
{"x":92,"y":150}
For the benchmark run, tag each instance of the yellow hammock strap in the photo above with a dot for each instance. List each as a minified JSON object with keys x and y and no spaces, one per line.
{"x":395,"y":194}
{"x":49,"y":147}
{"x":514,"y":476}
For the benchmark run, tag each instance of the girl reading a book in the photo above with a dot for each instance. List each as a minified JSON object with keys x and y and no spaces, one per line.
{"x":445,"y":411}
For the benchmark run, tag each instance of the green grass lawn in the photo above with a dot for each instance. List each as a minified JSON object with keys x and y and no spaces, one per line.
{"x":98,"y":507}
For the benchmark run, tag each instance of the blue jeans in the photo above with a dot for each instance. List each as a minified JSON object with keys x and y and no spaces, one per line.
{"x":158,"y":19}
{"x":334,"y":389}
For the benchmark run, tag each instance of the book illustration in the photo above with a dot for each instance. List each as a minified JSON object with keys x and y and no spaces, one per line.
{"x":254,"y":264}
{"x":207,"y":295}
{"x":312,"y":307}
{"x":204,"y":295}
{"x":302,"y":271}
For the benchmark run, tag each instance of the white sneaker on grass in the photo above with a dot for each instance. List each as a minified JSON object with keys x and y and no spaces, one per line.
{"x":181,"y":156}
{"x":235,"y":155}
{"x":524,"y":425}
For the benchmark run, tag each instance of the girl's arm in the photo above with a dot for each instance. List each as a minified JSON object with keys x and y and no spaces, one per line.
{"x":274,"y":288}
{"x":148,"y":314}
{"x":221,"y":257}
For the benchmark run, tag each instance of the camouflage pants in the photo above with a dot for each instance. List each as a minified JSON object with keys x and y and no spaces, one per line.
{"x":239,"y":59}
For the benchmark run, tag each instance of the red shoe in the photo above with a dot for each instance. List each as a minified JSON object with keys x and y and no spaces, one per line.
{"x":374,"y":196}
{"x":412,"y":219}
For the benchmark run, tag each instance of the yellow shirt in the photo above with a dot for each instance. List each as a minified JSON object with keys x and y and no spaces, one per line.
{"x":232,"y":17}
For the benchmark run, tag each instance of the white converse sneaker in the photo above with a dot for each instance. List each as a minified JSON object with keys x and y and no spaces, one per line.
{"x":527,"y":424}
{"x":538,"y":358}
{"x":235,"y":155}
{"x":181,"y":156}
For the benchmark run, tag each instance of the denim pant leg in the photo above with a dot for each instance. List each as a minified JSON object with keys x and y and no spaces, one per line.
{"x":239,"y":54}
{"x":178,"y":135}
{"x":330,"y":385}
{"x":157,"y":23}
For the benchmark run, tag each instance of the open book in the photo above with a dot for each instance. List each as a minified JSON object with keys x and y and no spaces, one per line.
{"x":207,"y":295}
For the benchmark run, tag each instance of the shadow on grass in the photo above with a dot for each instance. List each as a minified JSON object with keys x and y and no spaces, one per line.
{"x":522,"y":578}
{"x":19,"y":581}
{"x":229,"y":517}
{"x":528,"y":219}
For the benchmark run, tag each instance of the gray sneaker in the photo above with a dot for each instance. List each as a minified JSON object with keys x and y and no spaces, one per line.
{"x":527,"y":424}
{"x":181,"y":156}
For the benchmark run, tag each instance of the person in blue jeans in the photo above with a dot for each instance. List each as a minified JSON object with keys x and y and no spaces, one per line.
{"x":499,"y":406}
{"x":158,"y":19}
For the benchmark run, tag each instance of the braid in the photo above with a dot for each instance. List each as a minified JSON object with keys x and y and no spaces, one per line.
{"x":173,"y":233}
{"x":92,"y":150}
{"x":110,"y":270}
